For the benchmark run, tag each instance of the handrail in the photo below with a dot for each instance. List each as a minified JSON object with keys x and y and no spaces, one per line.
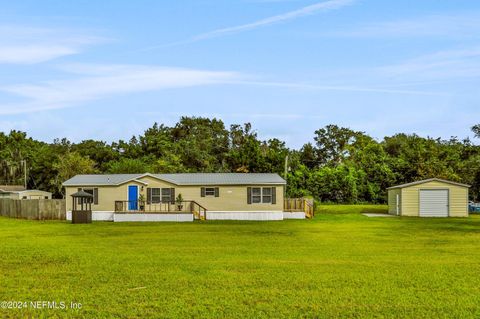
{"x":137,"y":206}
{"x":309,"y":209}
{"x":199,"y":205}
{"x":202,"y":211}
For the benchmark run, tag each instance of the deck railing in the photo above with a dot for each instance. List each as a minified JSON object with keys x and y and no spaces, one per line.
{"x":198,"y":211}
{"x":299,"y":205}
{"x":186,"y":206}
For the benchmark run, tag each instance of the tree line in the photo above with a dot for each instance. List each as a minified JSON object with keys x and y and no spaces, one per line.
{"x":341,"y":165}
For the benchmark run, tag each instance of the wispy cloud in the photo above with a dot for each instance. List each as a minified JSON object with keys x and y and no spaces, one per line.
{"x":440,"y":65}
{"x":100,"y":81}
{"x":452,"y":25}
{"x":27,"y":45}
{"x":305,"y":11}
{"x":344,"y":88}
{"x":31,"y":54}
{"x":292,"y":15}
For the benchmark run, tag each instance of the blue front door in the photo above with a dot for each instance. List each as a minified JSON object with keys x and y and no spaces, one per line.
{"x":132,"y":197}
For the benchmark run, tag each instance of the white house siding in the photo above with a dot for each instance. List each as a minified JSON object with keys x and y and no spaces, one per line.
{"x":96,"y":215}
{"x":293,"y":215}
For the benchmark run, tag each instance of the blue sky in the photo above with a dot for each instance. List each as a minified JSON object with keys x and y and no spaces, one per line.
{"x":110,"y":69}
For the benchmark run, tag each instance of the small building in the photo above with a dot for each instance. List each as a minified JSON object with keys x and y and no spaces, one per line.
{"x":19,"y":192}
{"x":184,"y":197}
{"x":429,"y":198}
{"x":82,"y":207}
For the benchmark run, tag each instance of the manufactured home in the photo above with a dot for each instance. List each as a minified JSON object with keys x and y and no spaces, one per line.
{"x":184,"y":197}
{"x":429,"y":198}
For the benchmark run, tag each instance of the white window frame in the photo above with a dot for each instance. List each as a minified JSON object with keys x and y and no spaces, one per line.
{"x":155,"y":198}
{"x":210,"y":191}
{"x":256,"y":198}
{"x":268,"y":196}
{"x":162,"y":196}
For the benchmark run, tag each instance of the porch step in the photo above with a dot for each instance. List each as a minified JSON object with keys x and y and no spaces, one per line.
{"x":198,"y":216}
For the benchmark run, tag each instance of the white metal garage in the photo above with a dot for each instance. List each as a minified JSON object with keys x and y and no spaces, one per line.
{"x":432,"y":197}
{"x":434,"y":203}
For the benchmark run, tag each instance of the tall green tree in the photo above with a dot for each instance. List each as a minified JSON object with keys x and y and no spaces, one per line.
{"x":244,"y":152}
{"x":476,"y":130}
{"x":129,"y":166}
{"x":342,"y":165}
{"x":333,"y":144}
{"x":98,"y":151}
{"x":201,"y":143}
{"x":69,"y":165}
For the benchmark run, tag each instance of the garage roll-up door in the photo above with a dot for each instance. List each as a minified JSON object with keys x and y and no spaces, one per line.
{"x":434,"y":203}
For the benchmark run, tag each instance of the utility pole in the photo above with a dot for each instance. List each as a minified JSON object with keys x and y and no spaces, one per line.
{"x":24,"y":162}
{"x":285,"y":175}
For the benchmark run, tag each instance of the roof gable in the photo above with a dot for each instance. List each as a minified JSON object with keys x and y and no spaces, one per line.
{"x":100,"y":180}
{"x":427,"y":181}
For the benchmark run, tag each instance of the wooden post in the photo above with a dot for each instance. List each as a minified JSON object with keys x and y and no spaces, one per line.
{"x":285,"y":174}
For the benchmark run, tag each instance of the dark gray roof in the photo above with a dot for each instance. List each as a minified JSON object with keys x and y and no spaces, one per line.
{"x":179,"y":179}
{"x":82,"y":194}
{"x":429,"y":180}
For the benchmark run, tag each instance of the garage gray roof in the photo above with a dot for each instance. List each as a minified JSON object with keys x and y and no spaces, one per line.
{"x":179,"y":179}
{"x":429,"y":180}
{"x":11,"y":188}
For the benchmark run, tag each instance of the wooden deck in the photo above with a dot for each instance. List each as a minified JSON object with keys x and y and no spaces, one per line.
{"x":299,"y":205}
{"x":141,"y":207}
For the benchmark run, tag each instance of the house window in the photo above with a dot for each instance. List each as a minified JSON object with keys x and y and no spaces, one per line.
{"x":93,"y":192}
{"x":209,"y":191}
{"x":266,"y":195}
{"x":160,"y":195}
{"x":155,"y":196}
{"x":166,"y":195}
{"x":88,"y":190}
{"x":256,"y":195}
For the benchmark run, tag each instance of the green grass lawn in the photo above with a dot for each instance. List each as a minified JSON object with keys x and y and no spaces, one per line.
{"x":340,"y":264}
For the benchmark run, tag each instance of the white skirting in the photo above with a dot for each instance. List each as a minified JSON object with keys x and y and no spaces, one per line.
{"x":275,"y":215}
{"x":135,"y":217}
{"x":211,"y":215}
{"x":96,"y":215}
{"x":293,"y":215}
